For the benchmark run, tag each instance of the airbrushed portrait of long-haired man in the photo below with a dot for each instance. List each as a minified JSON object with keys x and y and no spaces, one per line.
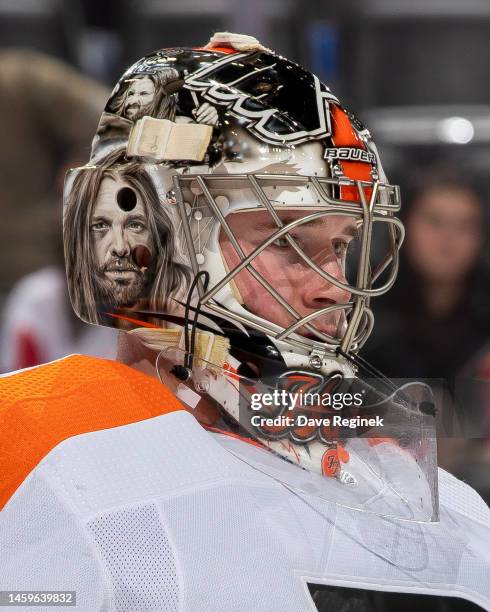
{"x":126,"y":236}
{"x":146,"y":94}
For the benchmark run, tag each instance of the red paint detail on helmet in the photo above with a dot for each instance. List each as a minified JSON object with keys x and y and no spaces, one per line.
{"x":343,"y":454}
{"x":142,"y":256}
{"x":218,"y":49}
{"x":345,"y":135}
{"x":330,"y":462}
{"x":137,"y":322}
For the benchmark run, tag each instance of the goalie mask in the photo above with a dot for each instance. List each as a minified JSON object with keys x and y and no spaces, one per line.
{"x":236,"y":218}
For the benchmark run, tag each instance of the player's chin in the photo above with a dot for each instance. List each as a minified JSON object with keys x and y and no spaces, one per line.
{"x":323,"y":335}
{"x":333,"y":330}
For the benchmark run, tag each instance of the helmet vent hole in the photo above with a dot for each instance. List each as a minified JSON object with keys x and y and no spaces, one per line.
{"x":126,"y":199}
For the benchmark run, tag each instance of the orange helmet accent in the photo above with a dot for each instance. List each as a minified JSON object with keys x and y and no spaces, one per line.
{"x":218,"y":49}
{"x":344,"y":135}
{"x":330,"y":462}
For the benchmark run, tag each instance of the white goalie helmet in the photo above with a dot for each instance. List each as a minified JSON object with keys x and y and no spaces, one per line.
{"x":237,"y":219}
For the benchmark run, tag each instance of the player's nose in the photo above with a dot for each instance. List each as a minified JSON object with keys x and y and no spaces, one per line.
{"x":320,"y":293}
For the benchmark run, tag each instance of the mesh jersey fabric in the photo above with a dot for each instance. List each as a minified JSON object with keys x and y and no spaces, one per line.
{"x":40,"y":407}
{"x":43,"y":546}
{"x":139,"y":558}
{"x":161,"y":515}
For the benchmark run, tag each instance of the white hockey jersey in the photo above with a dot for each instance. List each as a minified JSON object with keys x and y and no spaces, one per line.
{"x":147,"y":511}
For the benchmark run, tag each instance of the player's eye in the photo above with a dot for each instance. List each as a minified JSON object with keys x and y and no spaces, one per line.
{"x":340,"y":247}
{"x":281,"y":243}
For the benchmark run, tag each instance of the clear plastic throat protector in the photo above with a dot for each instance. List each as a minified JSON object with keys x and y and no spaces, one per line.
{"x":336,"y":439}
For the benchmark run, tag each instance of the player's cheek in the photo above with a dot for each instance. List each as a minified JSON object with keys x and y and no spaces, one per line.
{"x":279,"y":260}
{"x":268,"y":263}
{"x":234,"y":258}
{"x":278,"y":269}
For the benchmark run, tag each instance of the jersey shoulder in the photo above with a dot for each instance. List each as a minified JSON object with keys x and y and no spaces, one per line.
{"x":42,"y":406}
{"x":458,"y":496}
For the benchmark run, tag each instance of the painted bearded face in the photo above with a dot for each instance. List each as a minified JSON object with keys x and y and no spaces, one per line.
{"x":118,"y":231}
{"x":139,"y":98}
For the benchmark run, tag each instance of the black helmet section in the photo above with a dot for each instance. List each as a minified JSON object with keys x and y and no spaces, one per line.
{"x":276,"y":100}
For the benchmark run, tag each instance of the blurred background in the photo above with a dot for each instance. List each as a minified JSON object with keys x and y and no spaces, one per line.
{"x":414,"y":71}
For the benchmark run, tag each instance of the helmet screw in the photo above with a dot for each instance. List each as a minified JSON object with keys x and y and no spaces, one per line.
{"x":273,"y":352}
{"x":202,"y":386}
{"x":316,"y":362}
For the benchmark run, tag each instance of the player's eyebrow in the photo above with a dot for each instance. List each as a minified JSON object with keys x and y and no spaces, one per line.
{"x":271,"y":224}
{"x":350,"y":228}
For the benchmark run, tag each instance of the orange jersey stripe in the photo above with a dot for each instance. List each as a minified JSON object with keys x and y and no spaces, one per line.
{"x":40,"y":408}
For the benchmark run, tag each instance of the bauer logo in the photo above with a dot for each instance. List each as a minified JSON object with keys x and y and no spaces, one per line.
{"x":350,"y":153}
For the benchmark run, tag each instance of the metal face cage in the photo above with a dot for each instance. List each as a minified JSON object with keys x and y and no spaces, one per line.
{"x":376,"y":206}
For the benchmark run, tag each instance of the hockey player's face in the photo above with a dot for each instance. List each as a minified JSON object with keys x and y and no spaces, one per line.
{"x":325,"y":241}
{"x":139,"y":97}
{"x":118,"y":226}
